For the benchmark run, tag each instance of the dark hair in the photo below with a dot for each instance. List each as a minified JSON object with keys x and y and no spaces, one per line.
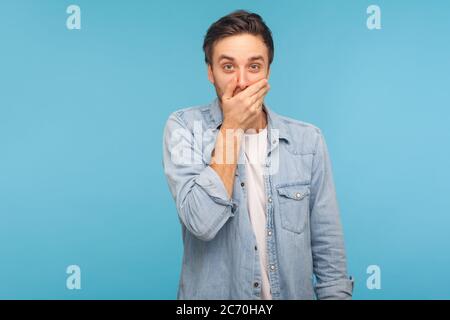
{"x":235,"y":23}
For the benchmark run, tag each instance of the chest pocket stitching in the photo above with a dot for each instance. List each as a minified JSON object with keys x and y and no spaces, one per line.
{"x":294,"y":206}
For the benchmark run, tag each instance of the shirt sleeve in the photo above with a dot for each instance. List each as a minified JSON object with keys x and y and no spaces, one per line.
{"x":201,"y":198}
{"x":327,"y":241}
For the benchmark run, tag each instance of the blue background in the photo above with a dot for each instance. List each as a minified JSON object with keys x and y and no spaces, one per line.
{"x":82,"y":114}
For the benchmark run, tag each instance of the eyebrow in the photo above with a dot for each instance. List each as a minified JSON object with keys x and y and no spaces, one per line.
{"x":254,"y":58}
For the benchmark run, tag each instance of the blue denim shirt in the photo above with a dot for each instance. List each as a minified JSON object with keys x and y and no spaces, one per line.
{"x":305,"y":247}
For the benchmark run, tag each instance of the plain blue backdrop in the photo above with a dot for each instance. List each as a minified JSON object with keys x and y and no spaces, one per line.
{"x":82,"y":114}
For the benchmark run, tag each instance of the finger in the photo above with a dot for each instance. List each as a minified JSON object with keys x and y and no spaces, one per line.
{"x":261,"y":93}
{"x":257,"y":106}
{"x":254,"y":88}
{"x":229,"y":89}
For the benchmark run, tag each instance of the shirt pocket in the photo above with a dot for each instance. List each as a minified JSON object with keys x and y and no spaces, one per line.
{"x":293,"y":203}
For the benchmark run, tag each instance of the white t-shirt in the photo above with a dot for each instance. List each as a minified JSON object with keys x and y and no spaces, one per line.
{"x":255,"y":150}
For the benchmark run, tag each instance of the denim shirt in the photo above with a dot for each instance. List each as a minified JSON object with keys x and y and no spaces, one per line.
{"x":305,"y":247}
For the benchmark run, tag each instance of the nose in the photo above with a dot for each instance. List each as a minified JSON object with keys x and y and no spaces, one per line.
{"x":243,"y":80}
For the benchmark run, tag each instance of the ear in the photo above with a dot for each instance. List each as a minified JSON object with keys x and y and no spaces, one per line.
{"x":268,"y":73}
{"x":210,"y":74}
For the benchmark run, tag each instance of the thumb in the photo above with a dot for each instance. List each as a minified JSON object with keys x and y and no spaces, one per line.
{"x":229,"y":89}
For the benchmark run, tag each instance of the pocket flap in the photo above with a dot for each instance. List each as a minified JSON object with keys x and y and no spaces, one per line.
{"x":295,"y":192}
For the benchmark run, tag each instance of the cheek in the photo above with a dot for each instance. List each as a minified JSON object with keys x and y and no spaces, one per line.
{"x":256,"y":76}
{"x":253,"y":78}
{"x":221,"y":82}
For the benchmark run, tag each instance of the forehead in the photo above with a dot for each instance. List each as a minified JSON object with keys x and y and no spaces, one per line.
{"x":240,"y":47}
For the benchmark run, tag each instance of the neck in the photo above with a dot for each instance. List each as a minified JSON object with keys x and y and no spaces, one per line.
{"x":260,"y":123}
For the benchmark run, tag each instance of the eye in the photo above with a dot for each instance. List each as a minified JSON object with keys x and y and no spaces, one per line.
{"x":227,"y":67}
{"x":255,"y":67}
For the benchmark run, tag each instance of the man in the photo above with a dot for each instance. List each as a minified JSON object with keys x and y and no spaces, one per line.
{"x":253,"y":190}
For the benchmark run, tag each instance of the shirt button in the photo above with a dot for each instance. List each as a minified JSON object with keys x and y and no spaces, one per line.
{"x":298,"y":195}
{"x":256,"y":284}
{"x":272,"y":267}
{"x":269,"y":233}
{"x":256,"y":248}
{"x":270,"y":199}
{"x":242,"y":184}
